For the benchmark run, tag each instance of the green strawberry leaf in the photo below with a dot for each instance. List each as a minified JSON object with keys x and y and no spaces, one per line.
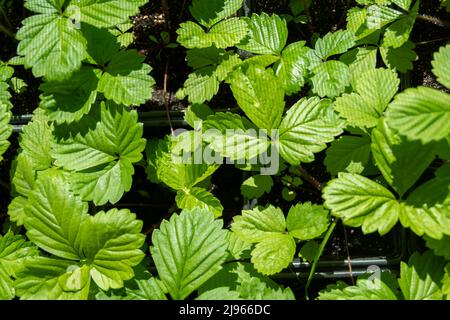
{"x":292,"y":68}
{"x":441,"y":65}
{"x":273,"y":254}
{"x":348,"y":151}
{"x":420,"y":278}
{"x":334,"y":43}
{"x":186,"y":259}
{"x":420,"y":114}
{"x":255,"y":186}
{"x":359,"y":201}
{"x":52,"y":46}
{"x":401,"y":162}
{"x":306,"y":129}
{"x":5,"y":129}
{"x":375,"y":89}
{"x":199,"y":198}
{"x":108,"y":150}
{"x":330,"y":79}
{"x":263,"y":104}
{"x":306,"y":221}
{"x":257,"y":224}
{"x":268,"y":34}
{"x":224,"y":34}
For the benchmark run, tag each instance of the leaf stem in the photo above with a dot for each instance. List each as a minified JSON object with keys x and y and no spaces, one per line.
{"x":318,"y":255}
{"x":165,"y":93}
{"x":308,"y":177}
{"x":434,"y":20}
{"x":349,"y":263}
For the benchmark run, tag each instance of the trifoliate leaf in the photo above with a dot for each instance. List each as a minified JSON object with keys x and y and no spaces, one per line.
{"x":255,"y":225}
{"x":101,"y":159}
{"x":360,"y":201}
{"x":346,"y":151}
{"x":110,"y":243}
{"x":255,"y":186}
{"x":400,"y":161}
{"x":306,"y":221}
{"x":420,"y":278}
{"x":334,"y":43}
{"x":292,"y":68}
{"x":273,"y":254}
{"x":262,"y":103}
{"x":210,"y":12}
{"x":5,"y":129}
{"x":367,"y":287}
{"x":57,"y":221}
{"x":375,"y":89}
{"x":306,"y":129}
{"x":199,"y":198}
{"x":51,"y":44}
{"x":224,"y":34}
{"x":441,"y":65}
{"x":401,"y":58}
{"x":52,"y":279}
{"x":330,"y":79}
{"x":188,"y":250}
{"x":420,"y":114}
{"x":268,"y":34}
